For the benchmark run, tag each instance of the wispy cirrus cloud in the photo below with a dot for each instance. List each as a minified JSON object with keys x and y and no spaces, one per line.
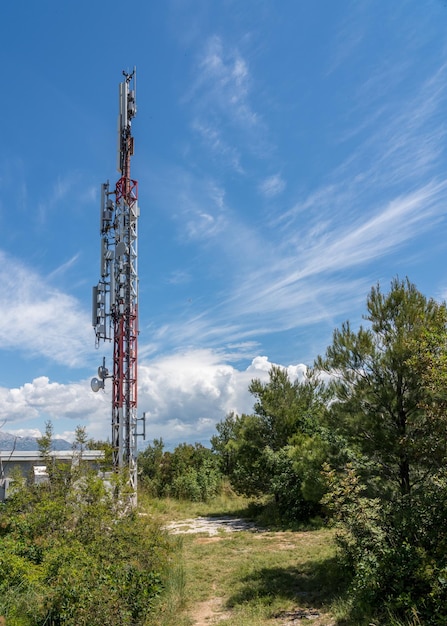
{"x":272,"y":186}
{"x":213,"y":137}
{"x":64,"y":267}
{"x":399,"y":140}
{"x":179,"y":277}
{"x":291,"y":278}
{"x":60,"y":190}
{"x":201,"y":210}
{"x":219,"y":97}
{"x":224,"y":79}
{"x":286,"y":272}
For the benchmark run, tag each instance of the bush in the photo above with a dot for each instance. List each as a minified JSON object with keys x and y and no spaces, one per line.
{"x":286,"y":486}
{"x":394,"y":550}
{"x":69,"y":557}
{"x":190,"y":472}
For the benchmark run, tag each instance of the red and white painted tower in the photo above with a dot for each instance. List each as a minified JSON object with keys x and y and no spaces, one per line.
{"x":115,"y":298}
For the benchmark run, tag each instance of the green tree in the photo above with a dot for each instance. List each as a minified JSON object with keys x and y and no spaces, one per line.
{"x":389,"y":404}
{"x":106,"y":446}
{"x":224,"y":443}
{"x":378,"y":393}
{"x":285,"y":407}
{"x":250,"y":474}
{"x":190,"y":472}
{"x":150,"y":466}
{"x":193,"y":472}
{"x":267,"y":453}
{"x":81,"y":439}
{"x":59,"y":473}
{"x":45,"y":442}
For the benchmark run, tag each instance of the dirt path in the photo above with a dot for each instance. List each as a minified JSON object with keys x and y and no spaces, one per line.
{"x":209,"y":611}
{"x":210,"y":525}
{"x":213,"y":611}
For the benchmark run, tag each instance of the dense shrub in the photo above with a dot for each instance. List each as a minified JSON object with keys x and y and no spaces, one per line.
{"x":394,"y":551}
{"x":69,"y":555}
{"x":190,"y":472}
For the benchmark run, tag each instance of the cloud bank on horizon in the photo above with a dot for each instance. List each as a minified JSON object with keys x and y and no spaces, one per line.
{"x":286,"y":163}
{"x":184,"y":396}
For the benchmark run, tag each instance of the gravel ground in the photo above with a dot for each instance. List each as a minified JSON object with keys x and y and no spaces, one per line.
{"x":210,"y":525}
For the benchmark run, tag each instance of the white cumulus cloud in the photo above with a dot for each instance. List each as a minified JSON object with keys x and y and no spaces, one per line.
{"x":186,"y":394}
{"x":183,"y":395}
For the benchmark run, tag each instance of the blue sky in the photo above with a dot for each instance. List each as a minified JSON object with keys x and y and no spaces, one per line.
{"x":289,"y":156}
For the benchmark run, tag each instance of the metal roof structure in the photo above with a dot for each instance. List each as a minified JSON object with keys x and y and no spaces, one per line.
{"x":57,"y":455}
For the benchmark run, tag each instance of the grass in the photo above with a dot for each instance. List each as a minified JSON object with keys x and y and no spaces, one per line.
{"x":276,"y":576}
{"x":170,"y":509}
{"x":247,"y":578}
{"x":260,"y":575}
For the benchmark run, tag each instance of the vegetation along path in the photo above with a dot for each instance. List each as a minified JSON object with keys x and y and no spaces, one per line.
{"x":240,"y":575}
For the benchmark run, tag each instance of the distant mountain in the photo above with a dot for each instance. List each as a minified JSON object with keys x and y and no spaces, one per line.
{"x":10,"y":442}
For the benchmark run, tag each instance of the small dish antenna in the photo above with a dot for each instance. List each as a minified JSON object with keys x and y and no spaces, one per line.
{"x":98,"y":383}
{"x":103,"y":372}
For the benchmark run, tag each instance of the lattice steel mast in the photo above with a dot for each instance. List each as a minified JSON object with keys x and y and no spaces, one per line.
{"x":115,"y":298}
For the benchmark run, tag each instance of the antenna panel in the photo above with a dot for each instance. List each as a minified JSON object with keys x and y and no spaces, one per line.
{"x":131,"y":105}
{"x":112,"y":289}
{"x":103,"y":263}
{"x":123,"y":90}
{"x":118,"y":147}
{"x":94,"y":306}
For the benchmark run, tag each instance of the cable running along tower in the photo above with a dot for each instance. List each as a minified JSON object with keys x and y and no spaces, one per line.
{"x":115,"y":298}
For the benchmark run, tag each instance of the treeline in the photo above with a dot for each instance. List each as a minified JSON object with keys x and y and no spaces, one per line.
{"x":361,"y":442}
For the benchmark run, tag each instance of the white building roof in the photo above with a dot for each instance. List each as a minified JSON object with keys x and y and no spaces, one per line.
{"x":60,"y":455}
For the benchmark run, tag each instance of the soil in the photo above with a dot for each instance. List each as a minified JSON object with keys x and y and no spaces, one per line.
{"x":211,"y":611}
{"x":210,"y":525}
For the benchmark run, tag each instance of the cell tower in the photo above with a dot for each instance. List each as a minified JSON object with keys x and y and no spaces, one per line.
{"x":115,"y":297}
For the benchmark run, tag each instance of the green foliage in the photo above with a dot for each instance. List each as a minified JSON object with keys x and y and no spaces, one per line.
{"x":380,"y":395}
{"x":190,"y":472}
{"x":278,"y":451}
{"x":286,"y":485}
{"x":395,"y":551}
{"x":308,"y":454}
{"x":250,"y":475}
{"x":223,"y":443}
{"x":389,"y":405}
{"x":45,"y":442}
{"x":106,"y":446}
{"x":150,"y":467}
{"x":80,"y":442}
{"x":69,"y":554}
{"x":285,"y":407}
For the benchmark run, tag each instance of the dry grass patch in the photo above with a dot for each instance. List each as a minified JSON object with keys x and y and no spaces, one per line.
{"x":250,"y":578}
